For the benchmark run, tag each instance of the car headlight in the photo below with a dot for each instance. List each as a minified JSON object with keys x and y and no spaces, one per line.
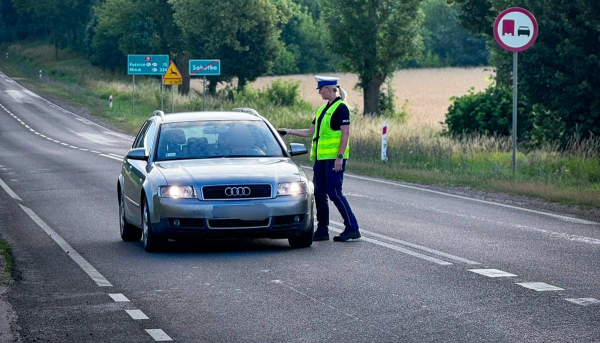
{"x":292,"y":188}
{"x":177,"y":192}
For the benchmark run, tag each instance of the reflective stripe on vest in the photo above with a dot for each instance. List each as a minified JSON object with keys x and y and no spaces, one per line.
{"x":328,"y":146}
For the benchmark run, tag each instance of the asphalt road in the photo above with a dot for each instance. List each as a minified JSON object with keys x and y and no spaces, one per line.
{"x":411,"y":278}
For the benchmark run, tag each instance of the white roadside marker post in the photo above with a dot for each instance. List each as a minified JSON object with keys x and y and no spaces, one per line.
{"x":110,"y":102}
{"x":384,"y":143}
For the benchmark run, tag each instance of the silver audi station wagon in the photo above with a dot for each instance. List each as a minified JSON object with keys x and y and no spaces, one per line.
{"x":214,"y":175}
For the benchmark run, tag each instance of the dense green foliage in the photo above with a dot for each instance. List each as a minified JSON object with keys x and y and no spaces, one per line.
{"x":372,"y":37}
{"x":488,"y":113}
{"x":446,"y":42}
{"x":253,"y":38}
{"x":559,"y":76}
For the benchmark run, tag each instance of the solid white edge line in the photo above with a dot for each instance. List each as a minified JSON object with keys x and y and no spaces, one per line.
{"x":111,"y":157}
{"x":74,"y":255}
{"x":137,"y":314}
{"x":158,"y":335}
{"x":100,"y":126}
{"x":565,"y":218}
{"x":10,"y":191}
{"x":415,"y":246}
{"x":400,"y":249}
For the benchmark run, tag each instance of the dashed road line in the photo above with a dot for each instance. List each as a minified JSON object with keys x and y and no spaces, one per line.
{"x":118,"y":297}
{"x":540,"y":286}
{"x":158,"y":335}
{"x":137,"y":314}
{"x":584,"y":301}
{"x":492,"y":273}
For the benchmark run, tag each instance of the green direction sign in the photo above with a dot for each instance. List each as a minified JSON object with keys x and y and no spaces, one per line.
{"x":205,"y":67}
{"x":147,"y":64}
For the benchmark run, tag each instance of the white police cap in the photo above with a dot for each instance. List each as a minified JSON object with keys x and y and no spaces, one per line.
{"x":323,"y":81}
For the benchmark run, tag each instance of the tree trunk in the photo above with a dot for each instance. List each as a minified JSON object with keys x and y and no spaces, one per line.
{"x":241,"y":84}
{"x":371,"y":96}
{"x":212,"y":87}
{"x":183,"y":66}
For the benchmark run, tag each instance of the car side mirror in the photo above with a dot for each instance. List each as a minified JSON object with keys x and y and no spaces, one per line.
{"x":297,"y":149}
{"x":137,"y":154}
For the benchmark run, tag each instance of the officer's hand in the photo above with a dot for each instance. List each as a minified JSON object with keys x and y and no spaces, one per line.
{"x":337,"y":165}
{"x":282,"y":132}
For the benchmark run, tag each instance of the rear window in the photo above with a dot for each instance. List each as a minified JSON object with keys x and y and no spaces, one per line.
{"x":216,"y":139}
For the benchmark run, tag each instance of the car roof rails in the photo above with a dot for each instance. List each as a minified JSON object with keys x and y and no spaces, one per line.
{"x":247,"y":110}
{"x":159,"y":113}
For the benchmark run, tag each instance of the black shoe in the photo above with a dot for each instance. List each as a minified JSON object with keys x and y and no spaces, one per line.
{"x":346,"y":235}
{"x":321,"y":236}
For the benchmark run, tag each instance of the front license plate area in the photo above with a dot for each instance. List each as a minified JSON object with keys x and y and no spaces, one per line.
{"x":243,"y":212}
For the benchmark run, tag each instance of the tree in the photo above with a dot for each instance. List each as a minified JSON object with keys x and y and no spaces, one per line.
{"x":560,"y":73}
{"x":135,"y":27}
{"x":243,"y":34}
{"x":372,"y":37}
{"x":62,"y":20}
{"x":301,"y":37}
{"x":445,"y":38}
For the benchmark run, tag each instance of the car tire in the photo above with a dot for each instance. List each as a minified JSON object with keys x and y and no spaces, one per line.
{"x":129,"y":233}
{"x":152,"y":242}
{"x":303,"y":240}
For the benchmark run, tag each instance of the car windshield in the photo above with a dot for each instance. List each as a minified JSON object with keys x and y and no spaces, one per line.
{"x":216,"y":139}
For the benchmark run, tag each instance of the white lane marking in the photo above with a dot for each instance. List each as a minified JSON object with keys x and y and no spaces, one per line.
{"x":136,"y":314}
{"x":158,"y":335}
{"x":71,"y":113}
{"x":492,"y":272}
{"x":415,"y":246}
{"x":584,"y":301}
{"x":118,"y":297}
{"x":111,"y":157}
{"x":75,"y":256}
{"x":115,"y":155}
{"x":540,"y":286}
{"x":400,"y":249}
{"x":565,"y":218}
{"x":73,"y":147}
{"x":10,"y":191}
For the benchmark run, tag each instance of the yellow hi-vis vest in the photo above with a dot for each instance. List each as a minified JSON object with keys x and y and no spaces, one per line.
{"x":328,"y":146}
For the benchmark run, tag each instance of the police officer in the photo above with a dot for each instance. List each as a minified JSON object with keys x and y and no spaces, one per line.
{"x":330,"y":131}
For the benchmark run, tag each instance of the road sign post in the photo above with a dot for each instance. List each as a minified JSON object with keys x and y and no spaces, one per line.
{"x":515,"y":29}
{"x":172,"y":77}
{"x":205,"y":68}
{"x":146,"y":65}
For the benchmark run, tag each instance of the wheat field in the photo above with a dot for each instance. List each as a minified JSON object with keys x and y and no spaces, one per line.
{"x":428,"y":91}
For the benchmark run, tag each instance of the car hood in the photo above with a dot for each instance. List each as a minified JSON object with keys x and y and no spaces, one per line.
{"x":219,"y":171}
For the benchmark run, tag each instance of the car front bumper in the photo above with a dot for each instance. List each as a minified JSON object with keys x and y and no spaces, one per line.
{"x":280,"y":217}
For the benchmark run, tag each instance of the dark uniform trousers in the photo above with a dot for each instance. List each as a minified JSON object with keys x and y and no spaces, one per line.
{"x":328,"y":184}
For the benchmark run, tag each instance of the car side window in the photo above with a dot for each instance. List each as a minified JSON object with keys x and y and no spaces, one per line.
{"x":150,"y":138}
{"x":139,"y":139}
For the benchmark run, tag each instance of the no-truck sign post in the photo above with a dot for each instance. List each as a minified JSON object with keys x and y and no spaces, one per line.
{"x":515,"y":29}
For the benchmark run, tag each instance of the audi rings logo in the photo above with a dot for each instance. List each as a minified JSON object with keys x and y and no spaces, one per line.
{"x":237,"y":191}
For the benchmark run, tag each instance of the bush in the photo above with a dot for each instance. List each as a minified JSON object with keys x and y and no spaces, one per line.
{"x":279,"y":93}
{"x":488,"y":113}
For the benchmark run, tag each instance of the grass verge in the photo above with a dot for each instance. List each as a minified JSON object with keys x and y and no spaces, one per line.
{"x":6,"y":262}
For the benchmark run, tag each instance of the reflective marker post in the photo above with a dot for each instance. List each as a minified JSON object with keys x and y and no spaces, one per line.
{"x":384,"y":143}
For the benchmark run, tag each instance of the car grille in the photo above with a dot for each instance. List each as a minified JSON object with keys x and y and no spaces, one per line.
{"x":218,"y":192}
{"x":237,"y":223}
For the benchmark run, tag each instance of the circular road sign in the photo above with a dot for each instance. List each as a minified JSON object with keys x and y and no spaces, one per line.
{"x":515,"y":29}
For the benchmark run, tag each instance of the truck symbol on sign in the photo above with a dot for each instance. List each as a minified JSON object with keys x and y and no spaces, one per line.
{"x":523,"y":31}
{"x":508,"y":27}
